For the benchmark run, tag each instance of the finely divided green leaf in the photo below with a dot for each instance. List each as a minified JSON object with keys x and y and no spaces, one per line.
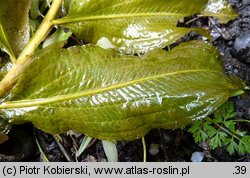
{"x":220,"y":9}
{"x":111,"y":96}
{"x":221,"y":131}
{"x":244,"y":145}
{"x":232,"y":146}
{"x":134,"y":26}
{"x":14,"y":25}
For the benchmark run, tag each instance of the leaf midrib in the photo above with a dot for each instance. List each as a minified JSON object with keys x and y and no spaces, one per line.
{"x":113,"y":16}
{"x":43,"y":101}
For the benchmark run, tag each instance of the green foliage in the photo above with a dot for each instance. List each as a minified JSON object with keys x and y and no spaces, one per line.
{"x":4,"y":42}
{"x":104,"y":93}
{"x":34,"y":9}
{"x":136,"y":26}
{"x":14,"y":25}
{"x":220,"y":130}
{"x":220,"y":9}
{"x":58,"y":36}
{"x":112,"y":96}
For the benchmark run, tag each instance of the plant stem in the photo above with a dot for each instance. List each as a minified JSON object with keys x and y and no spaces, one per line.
{"x":13,"y":59}
{"x":23,"y":60}
{"x":41,"y":151}
{"x":144,"y":150}
{"x":224,"y":129}
{"x":241,"y":120}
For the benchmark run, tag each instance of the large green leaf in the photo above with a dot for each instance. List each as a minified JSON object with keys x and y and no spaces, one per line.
{"x":133,"y":26}
{"x":14,"y":25}
{"x":112,"y":96}
{"x":220,"y":9}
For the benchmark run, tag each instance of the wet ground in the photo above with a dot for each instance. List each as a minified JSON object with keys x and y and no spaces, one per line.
{"x":232,"y":39}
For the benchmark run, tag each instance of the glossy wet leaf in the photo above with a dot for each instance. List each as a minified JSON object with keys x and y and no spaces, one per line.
{"x":134,"y":26}
{"x":220,"y":9}
{"x":14,"y":20}
{"x":112,"y":96}
{"x":4,"y":42}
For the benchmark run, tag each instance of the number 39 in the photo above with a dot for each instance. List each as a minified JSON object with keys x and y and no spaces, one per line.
{"x":240,"y":170}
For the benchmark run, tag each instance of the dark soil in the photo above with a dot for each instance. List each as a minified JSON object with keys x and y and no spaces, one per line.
{"x":232,"y":39}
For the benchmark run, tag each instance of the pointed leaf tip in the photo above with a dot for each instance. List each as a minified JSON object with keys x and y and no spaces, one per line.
{"x":221,"y":10}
